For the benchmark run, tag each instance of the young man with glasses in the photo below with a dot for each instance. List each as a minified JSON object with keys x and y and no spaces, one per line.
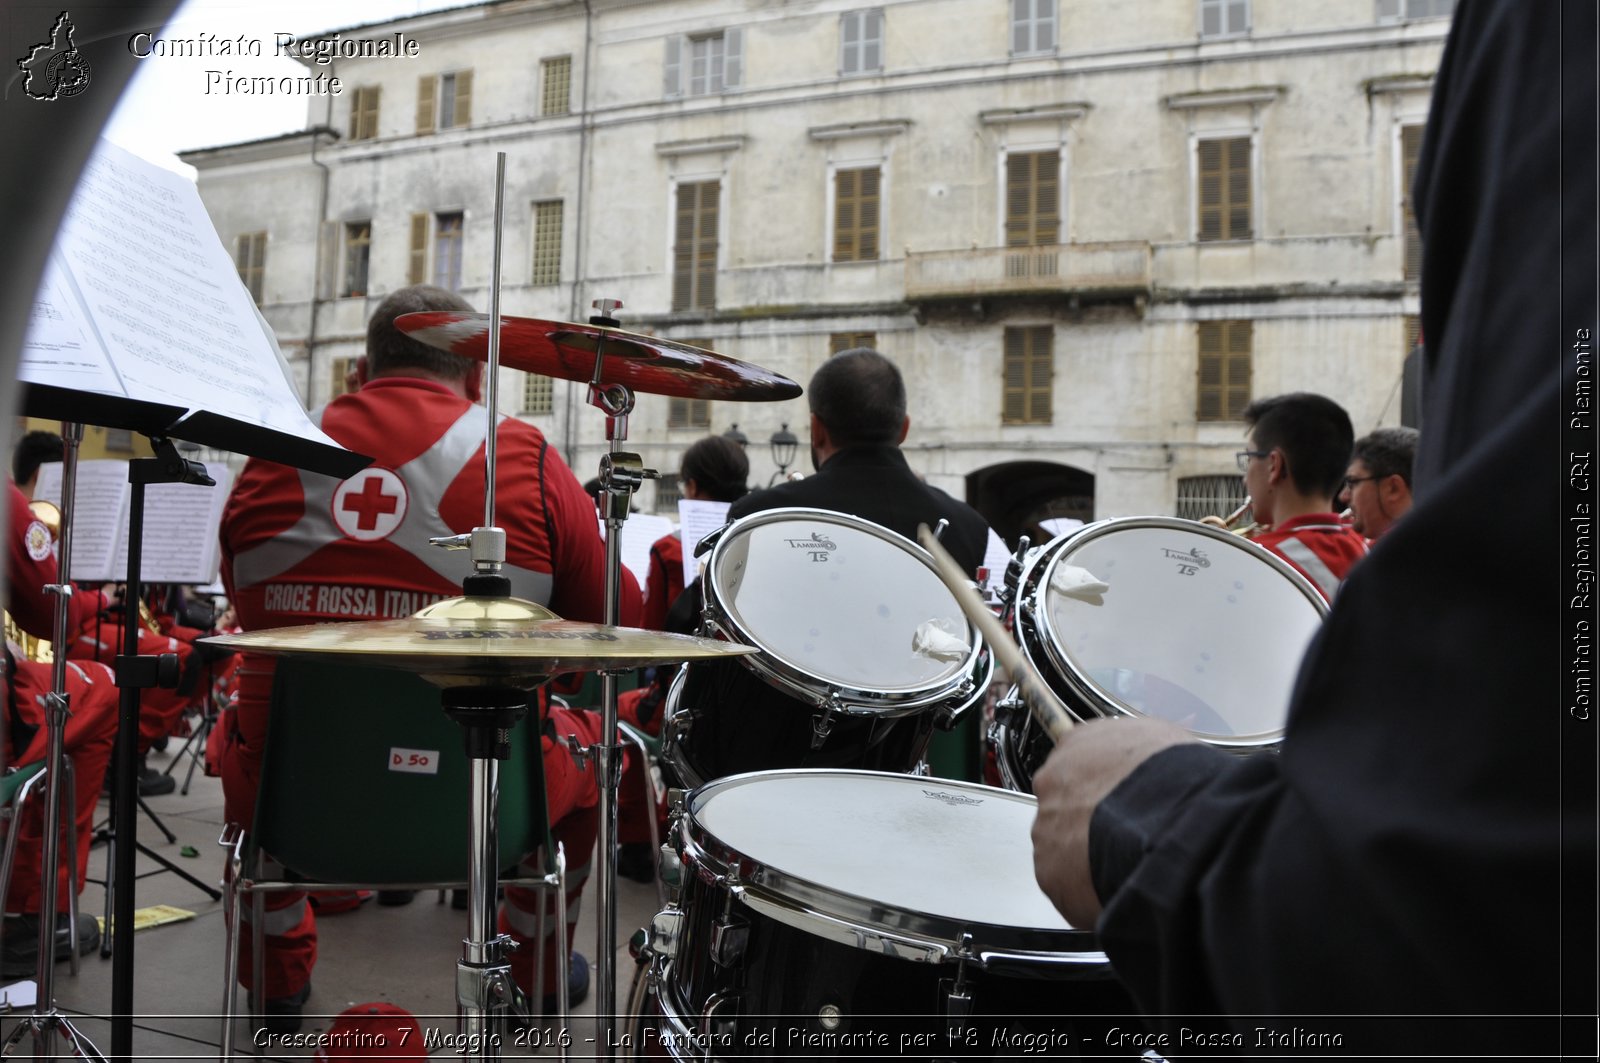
{"x":1293,"y":467}
{"x":1377,"y":485}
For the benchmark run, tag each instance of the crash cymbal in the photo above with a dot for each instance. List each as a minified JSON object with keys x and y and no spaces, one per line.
{"x":559,"y":349}
{"x":482,"y":641}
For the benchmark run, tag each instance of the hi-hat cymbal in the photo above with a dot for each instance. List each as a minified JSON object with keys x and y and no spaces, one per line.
{"x":482,"y":641}
{"x":560,"y":349}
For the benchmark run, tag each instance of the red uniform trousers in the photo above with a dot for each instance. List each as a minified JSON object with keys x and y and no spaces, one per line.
{"x":90,"y":732}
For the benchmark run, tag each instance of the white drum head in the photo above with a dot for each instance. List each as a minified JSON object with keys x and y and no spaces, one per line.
{"x":1198,"y":628}
{"x":838,"y":599}
{"x":954,"y":851}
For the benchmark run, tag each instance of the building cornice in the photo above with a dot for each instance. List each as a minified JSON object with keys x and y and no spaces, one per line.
{"x":1253,"y":96}
{"x":699,"y":146}
{"x":1063,"y":112}
{"x":845,"y":130}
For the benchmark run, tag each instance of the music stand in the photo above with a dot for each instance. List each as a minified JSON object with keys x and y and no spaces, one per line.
{"x":164,"y":423}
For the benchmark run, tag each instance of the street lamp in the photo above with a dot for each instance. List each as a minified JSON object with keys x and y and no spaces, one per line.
{"x":736,"y":435}
{"x":784,"y":444}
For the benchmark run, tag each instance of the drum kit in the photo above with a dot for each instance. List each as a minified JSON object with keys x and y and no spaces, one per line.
{"x":829,"y":897}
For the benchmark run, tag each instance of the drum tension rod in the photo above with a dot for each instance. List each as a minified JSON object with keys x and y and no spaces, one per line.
{"x":822,"y":726}
{"x":958,"y":1000}
{"x":728,"y":935}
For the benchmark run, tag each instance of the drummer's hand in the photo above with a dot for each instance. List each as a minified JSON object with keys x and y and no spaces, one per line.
{"x":1084,"y":767}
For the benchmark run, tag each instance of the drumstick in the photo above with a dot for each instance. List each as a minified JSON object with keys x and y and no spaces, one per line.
{"x":1047,"y":709}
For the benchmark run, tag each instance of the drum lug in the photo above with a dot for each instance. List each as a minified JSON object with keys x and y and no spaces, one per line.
{"x":822,"y":726}
{"x":728,"y":940}
{"x":666,"y":929}
{"x":1011,"y":711}
{"x":958,"y":991}
{"x":717,"y":1019}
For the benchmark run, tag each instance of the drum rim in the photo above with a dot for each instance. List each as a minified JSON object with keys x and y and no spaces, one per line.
{"x":814,"y":687}
{"x":827,"y":906}
{"x":1031,"y":615}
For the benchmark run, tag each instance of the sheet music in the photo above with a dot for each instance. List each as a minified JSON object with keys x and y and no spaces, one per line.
{"x":99,"y":514}
{"x":698,"y":518}
{"x":142,"y":269}
{"x":639,"y":534}
{"x":59,"y":347}
{"x":181,"y":523}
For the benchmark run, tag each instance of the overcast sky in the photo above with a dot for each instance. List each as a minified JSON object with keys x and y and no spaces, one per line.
{"x":167,"y":107}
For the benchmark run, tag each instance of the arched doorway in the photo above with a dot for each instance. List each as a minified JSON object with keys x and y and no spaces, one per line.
{"x":1016,"y":495}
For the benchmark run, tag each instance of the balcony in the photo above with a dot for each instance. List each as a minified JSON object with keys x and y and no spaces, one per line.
{"x":1110,"y":271}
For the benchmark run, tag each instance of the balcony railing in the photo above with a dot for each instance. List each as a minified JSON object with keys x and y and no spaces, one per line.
{"x":1105,"y":269}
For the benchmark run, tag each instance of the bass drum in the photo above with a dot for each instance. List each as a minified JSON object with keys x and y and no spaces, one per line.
{"x":1194,"y":625}
{"x":852,"y":913}
{"x":863,"y":650}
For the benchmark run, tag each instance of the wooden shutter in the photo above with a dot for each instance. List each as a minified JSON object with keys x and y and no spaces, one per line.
{"x":845,"y":341}
{"x":855,"y":215}
{"x":427,"y":92}
{"x":417,"y":267}
{"x":463,"y":109}
{"x":1410,"y":148}
{"x":1033,"y":198}
{"x":694,"y":253}
{"x":1223,"y":373}
{"x":1223,"y":176}
{"x":1027,"y":375}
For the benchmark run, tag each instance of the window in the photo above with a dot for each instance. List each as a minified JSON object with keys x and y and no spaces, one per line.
{"x":689,"y":413}
{"x":538,"y":394}
{"x":1222,"y":170}
{"x":861,"y":42}
{"x":1397,"y":10}
{"x":1224,"y":18}
{"x":357,"y":257}
{"x":547,"y":242}
{"x":444,"y":101}
{"x":119,"y":440}
{"x":339,"y":370}
{"x":855,"y":215}
{"x":1223,"y":373}
{"x":1413,"y":334}
{"x":364,"y":113}
{"x":704,"y":64}
{"x":1033,"y":27}
{"x":250,"y":256}
{"x":847,"y":341}
{"x":694,"y":250}
{"x":446,"y":229}
{"x":668,"y":492}
{"x":556,"y":98}
{"x":1209,"y":496}
{"x":1033,"y":199}
{"x":1410,"y":148}
{"x":447,"y":251}
{"x":1029,"y":366}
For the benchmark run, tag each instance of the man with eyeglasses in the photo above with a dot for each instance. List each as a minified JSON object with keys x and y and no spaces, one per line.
{"x":1294,"y":466}
{"x":1377,"y":485}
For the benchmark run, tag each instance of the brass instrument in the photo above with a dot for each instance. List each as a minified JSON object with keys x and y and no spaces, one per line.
{"x":1231,"y":521}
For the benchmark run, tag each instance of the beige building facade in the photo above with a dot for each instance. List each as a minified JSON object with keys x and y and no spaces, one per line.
{"x":1087,"y":232}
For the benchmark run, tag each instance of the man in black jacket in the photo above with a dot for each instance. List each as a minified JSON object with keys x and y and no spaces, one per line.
{"x":858,"y":421}
{"x":1433,"y":767}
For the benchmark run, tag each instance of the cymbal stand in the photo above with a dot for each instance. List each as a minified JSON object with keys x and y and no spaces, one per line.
{"x":621,"y":473}
{"x":46,"y":1021}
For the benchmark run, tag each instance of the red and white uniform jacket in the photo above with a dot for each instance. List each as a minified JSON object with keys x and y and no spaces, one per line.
{"x":1319,"y":546}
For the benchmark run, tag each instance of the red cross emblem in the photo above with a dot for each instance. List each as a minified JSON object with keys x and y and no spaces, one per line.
{"x":370,"y":505}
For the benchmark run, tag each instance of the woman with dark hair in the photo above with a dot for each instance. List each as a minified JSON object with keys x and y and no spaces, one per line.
{"x":714,"y":469}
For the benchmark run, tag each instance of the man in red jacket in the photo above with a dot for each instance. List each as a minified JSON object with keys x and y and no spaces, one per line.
{"x":301,"y":548}
{"x":1294,"y":466}
{"x":91,"y":728}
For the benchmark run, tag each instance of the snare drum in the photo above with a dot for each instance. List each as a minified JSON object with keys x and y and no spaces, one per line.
{"x":828,"y":913}
{"x":862,"y":650}
{"x":1197,"y":626}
